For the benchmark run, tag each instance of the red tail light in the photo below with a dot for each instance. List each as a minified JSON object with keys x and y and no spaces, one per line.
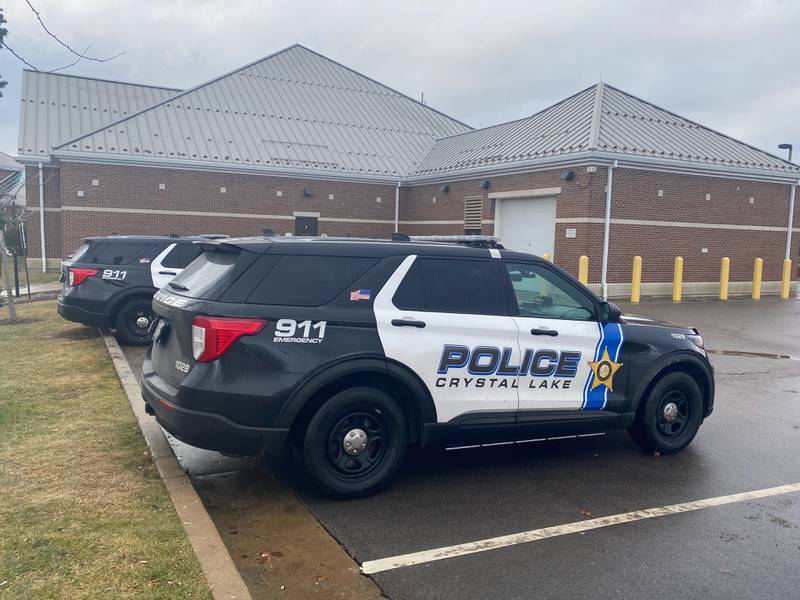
{"x":77,"y":276}
{"x":212,"y":336}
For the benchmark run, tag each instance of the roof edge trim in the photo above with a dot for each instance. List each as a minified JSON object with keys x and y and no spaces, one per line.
{"x":103,"y":159}
{"x":102,"y":80}
{"x":600,"y":158}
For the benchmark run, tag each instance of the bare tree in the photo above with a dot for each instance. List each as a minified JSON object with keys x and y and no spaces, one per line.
{"x":79,"y":56}
{"x":3,"y":32}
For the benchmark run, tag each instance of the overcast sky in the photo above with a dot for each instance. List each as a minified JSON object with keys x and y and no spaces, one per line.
{"x":732,"y":65}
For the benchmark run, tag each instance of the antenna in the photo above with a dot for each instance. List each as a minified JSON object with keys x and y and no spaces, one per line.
{"x":422,"y":98}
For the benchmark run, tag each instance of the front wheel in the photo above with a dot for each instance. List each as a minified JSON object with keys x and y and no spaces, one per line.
{"x":133,"y":322}
{"x":355,"y":442}
{"x":671,"y":415}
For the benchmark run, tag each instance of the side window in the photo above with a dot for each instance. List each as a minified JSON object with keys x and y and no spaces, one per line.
{"x":181,"y":255}
{"x":309,"y":280}
{"x":410,"y":295}
{"x":543,"y":293}
{"x":451,"y":286}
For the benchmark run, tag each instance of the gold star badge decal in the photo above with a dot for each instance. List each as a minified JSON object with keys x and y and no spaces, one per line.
{"x":604,"y":370}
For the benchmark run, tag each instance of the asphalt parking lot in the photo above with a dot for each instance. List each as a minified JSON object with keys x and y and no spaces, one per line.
{"x":743,"y":547}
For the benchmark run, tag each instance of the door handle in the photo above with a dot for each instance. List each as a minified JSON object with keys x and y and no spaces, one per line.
{"x":550,"y":332}
{"x":408,"y":323}
{"x":167,"y":273}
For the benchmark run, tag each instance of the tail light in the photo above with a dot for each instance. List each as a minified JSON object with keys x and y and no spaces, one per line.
{"x":212,"y":336}
{"x":77,"y":276}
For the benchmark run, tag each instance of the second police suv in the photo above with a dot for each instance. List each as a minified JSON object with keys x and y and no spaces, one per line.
{"x":351,"y":350}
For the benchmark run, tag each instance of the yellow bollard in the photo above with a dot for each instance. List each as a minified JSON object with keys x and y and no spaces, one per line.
{"x":677,"y":284}
{"x":724,"y":277}
{"x":636,"y":280}
{"x":583,"y":270}
{"x":786,"y":278}
{"x":758,"y":267}
{"x":546,"y":256}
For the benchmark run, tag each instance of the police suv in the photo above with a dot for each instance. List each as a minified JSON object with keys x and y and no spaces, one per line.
{"x":351,"y":350}
{"x":110,"y":281}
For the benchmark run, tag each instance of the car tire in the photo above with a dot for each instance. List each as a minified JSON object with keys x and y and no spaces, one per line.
{"x":355,"y":442}
{"x":131,"y":327}
{"x":671,"y":415}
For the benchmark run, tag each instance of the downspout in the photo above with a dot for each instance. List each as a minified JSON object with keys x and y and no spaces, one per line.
{"x":791,"y":221}
{"x":397,"y":208}
{"x":41,"y":218}
{"x":606,"y":228}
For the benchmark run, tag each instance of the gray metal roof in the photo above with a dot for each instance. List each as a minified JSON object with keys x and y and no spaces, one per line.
{"x":293,"y":110}
{"x":7,"y":163}
{"x":56,"y":108}
{"x":600,"y":119}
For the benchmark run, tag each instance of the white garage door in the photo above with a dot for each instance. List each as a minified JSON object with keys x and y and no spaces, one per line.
{"x":527,"y":224}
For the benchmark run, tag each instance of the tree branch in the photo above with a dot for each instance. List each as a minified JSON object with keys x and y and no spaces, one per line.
{"x":67,"y":46}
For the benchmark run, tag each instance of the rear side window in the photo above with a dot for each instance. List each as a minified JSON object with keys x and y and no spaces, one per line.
{"x":211,"y":269}
{"x":181,"y":255}
{"x":109,"y":253}
{"x":79,"y":253}
{"x":309,"y":280}
{"x":451,"y":286}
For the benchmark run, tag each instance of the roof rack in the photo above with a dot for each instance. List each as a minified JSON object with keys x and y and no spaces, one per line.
{"x":473,"y":241}
{"x":400,"y":237}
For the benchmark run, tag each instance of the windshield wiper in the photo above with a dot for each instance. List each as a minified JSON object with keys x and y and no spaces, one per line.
{"x":178,"y":286}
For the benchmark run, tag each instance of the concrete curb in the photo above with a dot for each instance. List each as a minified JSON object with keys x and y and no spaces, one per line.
{"x":218,"y":567}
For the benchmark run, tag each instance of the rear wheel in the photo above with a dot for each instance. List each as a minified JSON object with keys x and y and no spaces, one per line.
{"x":355,"y":442}
{"x":671,"y":416}
{"x":133,"y":322}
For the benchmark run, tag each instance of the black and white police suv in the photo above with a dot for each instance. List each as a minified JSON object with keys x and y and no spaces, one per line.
{"x":110,"y":281}
{"x":351,"y":350}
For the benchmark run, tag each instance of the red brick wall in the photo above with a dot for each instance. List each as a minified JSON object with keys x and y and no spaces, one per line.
{"x":52,"y":218}
{"x":137,"y":188}
{"x":635,"y":196}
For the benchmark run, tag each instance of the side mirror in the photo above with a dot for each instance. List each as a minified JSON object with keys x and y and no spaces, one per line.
{"x":610,"y":312}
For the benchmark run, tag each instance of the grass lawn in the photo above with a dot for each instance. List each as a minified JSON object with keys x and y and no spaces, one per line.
{"x":35,"y":275}
{"x":83,"y":513}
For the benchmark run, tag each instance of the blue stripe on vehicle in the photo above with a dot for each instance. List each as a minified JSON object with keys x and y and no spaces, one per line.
{"x":591,"y":375}
{"x":596,"y":399}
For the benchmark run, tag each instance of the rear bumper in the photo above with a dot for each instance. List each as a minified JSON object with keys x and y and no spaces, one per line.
{"x":204,"y":429}
{"x":80,"y":315}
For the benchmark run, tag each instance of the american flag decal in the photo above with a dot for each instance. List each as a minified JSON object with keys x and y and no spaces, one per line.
{"x":362,"y":294}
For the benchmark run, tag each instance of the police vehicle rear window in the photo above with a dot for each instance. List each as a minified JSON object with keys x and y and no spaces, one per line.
{"x":112,"y":253}
{"x":211,"y":270}
{"x":309,"y":280}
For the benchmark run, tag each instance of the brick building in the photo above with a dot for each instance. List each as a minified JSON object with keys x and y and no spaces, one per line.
{"x":300,"y":144}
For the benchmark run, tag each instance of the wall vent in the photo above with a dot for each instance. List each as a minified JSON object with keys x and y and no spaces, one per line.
{"x":473,"y":212}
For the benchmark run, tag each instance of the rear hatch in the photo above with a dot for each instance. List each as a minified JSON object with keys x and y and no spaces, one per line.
{"x":176,"y":305}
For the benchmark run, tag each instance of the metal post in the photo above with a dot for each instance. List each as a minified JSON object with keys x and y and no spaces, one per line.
{"x":791,"y":224}
{"x":758,"y":269}
{"x":636,"y":279}
{"x":583,"y":269}
{"x":677,"y":280}
{"x":724,"y":277}
{"x":16,"y":273}
{"x":604,"y":272}
{"x":41,"y":218}
{"x":397,"y":208}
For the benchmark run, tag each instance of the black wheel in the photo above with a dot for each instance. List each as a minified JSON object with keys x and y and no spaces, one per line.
{"x":133,"y":322}
{"x":355,"y":442}
{"x":671,"y":415}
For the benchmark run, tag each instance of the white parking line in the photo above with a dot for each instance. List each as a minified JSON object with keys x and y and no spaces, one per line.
{"x":416,"y":558}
